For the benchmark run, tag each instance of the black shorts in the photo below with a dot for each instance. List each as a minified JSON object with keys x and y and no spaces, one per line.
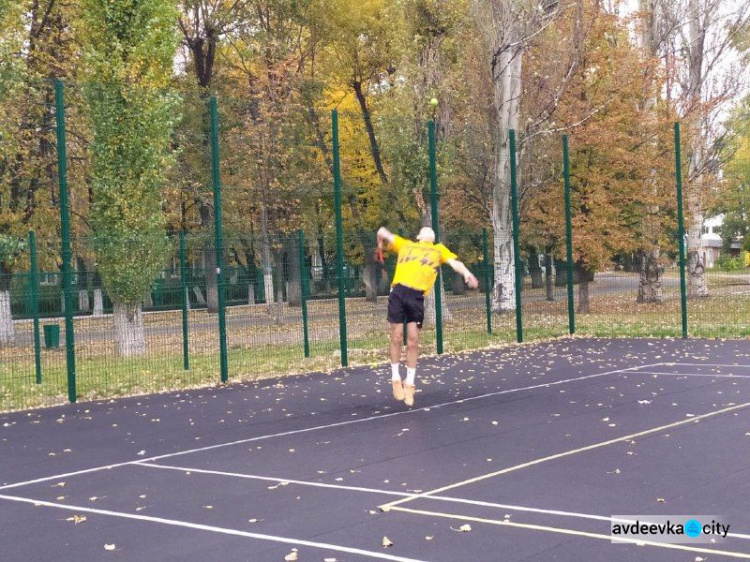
{"x":405,"y":305}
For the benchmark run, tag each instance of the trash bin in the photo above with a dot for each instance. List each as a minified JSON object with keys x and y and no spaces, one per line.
{"x":51,"y":336}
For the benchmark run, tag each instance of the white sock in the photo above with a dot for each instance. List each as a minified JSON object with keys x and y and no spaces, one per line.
{"x":411,"y":375}
{"x":395,"y":376}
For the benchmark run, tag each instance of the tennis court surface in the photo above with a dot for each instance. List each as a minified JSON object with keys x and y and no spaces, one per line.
{"x":534,"y":447}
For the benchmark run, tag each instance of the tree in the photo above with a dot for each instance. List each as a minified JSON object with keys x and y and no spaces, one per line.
{"x":203,"y":25}
{"x":36,"y":45}
{"x":734,"y":200}
{"x":706,"y":32}
{"x":508,"y":28}
{"x":130,"y":47}
{"x":611,"y":160}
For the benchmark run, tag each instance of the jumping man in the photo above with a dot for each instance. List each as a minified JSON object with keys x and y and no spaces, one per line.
{"x":416,"y":272}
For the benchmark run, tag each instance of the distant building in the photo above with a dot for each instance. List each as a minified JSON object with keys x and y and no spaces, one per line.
{"x":711,"y":243}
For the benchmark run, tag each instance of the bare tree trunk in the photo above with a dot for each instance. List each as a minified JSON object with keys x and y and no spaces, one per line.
{"x":83,"y":293}
{"x":130,"y":336}
{"x":507,"y":94}
{"x":280,"y":306}
{"x":265,"y":247}
{"x":587,"y":276}
{"x":294,"y":283}
{"x":649,"y":285}
{"x":549,"y":273}
{"x":98,"y":295}
{"x":370,"y":274}
{"x":98,"y":302}
{"x":209,"y":260}
{"x":535,"y":271}
{"x":649,"y":288}
{"x":699,"y":22}
{"x":7,"y":330}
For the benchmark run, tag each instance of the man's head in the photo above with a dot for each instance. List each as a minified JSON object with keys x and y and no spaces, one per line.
{"x":426,"y":235}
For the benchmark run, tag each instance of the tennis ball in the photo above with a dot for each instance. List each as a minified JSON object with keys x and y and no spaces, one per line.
{"x":434,"y":102}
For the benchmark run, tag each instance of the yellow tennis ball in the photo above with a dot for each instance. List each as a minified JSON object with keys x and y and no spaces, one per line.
{"x":434,"y":102}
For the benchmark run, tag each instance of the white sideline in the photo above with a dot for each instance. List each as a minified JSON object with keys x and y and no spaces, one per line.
{"x":573,"y":532}
{"x":704,"y":375}
{"x":196,"y":526}
{"x":568,"y":453}
{"x":446,"y":499}
{"x":319,"y":427}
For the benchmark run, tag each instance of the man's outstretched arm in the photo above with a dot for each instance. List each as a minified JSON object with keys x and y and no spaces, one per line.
{"x":384,"y":235}
{"x":461,"y":269}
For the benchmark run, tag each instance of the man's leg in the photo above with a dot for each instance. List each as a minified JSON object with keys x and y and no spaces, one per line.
{"x":412,"y":350}
{"x":397,"y":334}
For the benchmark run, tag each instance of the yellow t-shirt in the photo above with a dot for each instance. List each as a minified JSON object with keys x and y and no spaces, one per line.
{"x":418,"y":263}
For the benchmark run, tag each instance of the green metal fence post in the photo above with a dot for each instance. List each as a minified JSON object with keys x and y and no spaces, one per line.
{"x":568,"y":238}
{"x":680,"y":229}
{"x":435,"y":227}
{"x":516,"y":235}
{"x":62,"y":178}
{"x":185,"y":296}
{"x":339,"y":237}
{"x":303,"y":290}
{"x":218,"y":234}
{"x":34,"y":280}
{"x":487,"y":280}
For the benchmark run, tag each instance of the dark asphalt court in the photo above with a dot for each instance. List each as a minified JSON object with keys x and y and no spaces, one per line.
{"x":534,"y":447}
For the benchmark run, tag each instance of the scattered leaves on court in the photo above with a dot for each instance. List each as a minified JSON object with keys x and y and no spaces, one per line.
{"x":292,"y":556}
{"x":387,"y":542}
{"x":463,"y":528}
{"x":76,"y":519}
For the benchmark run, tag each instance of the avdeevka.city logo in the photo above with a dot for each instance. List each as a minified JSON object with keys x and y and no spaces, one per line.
{"x":668,"y":528}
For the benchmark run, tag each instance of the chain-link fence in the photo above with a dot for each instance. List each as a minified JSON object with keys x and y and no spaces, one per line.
{"x":263,"y":262}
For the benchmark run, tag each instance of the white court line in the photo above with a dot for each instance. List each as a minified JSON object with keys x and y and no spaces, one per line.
{"x":672,"y":364}
{"x":692,"y":375}
{"x":319,"y":427}
{"x":447,"y":499}
{"x":558,"y":512}
{"x":279,"y":480}
{"x":564,"y":531}
{"x":212,"y":529}
{"x":556,"y":456}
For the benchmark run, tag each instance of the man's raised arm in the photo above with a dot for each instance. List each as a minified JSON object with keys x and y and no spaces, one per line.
{"x":384,"y":235}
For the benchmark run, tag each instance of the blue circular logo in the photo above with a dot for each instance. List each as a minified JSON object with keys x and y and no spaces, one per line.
{"x":693,"y":528}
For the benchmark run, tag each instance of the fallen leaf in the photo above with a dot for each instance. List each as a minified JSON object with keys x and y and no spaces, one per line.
{"x":109,"y":547}
{"x":462,"y":529}
{"x":292,"y":556}
{"x":387,"y":542}
{"x":76,"y":519}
